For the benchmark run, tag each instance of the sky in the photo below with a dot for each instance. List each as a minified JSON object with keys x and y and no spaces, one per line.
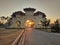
{"x":50,"y":7}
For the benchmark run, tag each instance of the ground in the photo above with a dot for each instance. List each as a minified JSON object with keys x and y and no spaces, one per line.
{"x":32,"y":37}
{"x":7,"y":36}
{"x":44,"y":38}
{"x":38,"y":37}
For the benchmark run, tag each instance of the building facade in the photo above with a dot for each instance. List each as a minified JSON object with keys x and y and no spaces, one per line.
{"x":28,"y":18}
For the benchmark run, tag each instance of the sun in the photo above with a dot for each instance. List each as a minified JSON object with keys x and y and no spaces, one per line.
{"x":29,"y":23}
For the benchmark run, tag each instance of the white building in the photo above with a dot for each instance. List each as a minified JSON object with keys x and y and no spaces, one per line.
{"x":28,"y":19}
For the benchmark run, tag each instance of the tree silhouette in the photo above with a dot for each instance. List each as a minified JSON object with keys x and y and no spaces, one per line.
{"x":56,"y":26}
{"x":46,"y":22}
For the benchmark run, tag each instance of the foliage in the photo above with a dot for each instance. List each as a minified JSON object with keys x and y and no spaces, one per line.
{"x":46,"y":22}
{"x":56,"y":26}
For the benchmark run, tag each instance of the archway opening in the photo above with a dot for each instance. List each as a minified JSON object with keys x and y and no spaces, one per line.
{"x":29,"y":23}
{"x":18,"y":23}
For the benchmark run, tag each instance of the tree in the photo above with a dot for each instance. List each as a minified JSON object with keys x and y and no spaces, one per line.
{"x":56,"y":26}
{"x":46,"y":22}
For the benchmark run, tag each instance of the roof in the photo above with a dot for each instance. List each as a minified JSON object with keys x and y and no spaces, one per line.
{"x":39,"y":13}
{"x":17,"y":13}
{"x":29,"y":9}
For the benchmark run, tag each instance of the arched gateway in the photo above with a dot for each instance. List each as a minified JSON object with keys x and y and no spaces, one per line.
{"x":29,"y":18}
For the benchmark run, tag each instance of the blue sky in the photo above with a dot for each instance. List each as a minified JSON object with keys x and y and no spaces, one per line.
{"x":50,"y":7}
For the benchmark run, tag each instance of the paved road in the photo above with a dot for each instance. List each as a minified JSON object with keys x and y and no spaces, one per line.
{"x":37,"y":37}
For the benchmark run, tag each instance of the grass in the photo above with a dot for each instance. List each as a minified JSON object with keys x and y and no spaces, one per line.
{"x":7,"y":36}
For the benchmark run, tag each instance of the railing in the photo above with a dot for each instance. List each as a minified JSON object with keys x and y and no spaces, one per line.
{"x":20,"y":39}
